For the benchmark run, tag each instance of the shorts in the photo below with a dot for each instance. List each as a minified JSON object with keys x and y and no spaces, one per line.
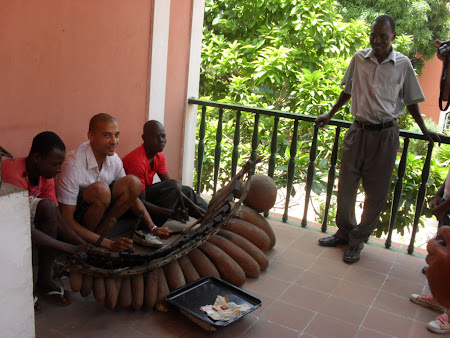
{"x":82,"y":205}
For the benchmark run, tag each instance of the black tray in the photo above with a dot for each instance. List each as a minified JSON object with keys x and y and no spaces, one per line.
{"x":189,"y":298}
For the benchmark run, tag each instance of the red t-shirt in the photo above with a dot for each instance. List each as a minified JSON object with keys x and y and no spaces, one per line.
{"x":15,"y":173}
{"x":136,"y":163}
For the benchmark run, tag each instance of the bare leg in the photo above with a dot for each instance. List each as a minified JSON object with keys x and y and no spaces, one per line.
{"x":124,"y":193}
{"x":98,"y":196}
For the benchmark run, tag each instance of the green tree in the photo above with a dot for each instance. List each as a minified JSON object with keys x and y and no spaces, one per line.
{"x":423,"y":21}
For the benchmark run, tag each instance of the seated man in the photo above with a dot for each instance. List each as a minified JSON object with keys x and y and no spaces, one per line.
{"x":162,"y":200}
{"x":93,"y":190}
{"x":35,"y":173}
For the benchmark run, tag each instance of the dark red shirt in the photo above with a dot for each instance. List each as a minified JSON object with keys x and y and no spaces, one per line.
{"x":15,"y":173}
{"x":136,"y":163}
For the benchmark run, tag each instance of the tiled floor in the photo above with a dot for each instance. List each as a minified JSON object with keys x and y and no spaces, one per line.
{"x":307,"y":291}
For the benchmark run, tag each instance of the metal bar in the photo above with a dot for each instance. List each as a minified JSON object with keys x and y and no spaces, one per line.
{"x":397,"y":192}
{"x":201,"y":149}
{"x":273,"y":151}
{"x":310,"y":176}
{"x":291,"y":169}
{"x":255,"y":139}
{"x":421,"y":196}
{"x":237,"y":135}
{"x":218,"y":150}
{"x":331,"y":177}
{"x":295,"y":116}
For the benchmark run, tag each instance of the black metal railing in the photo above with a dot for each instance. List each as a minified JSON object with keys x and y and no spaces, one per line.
{"x":339,"y":124}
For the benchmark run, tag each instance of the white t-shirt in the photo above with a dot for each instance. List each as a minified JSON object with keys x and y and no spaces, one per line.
{"x":80,"y":169}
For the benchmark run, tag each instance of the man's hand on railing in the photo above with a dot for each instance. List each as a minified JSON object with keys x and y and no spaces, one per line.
{"x":435,"y":137}
{"x":322,"y":120}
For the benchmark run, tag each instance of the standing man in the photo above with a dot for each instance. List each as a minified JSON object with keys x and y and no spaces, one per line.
{"x":378,"y":79}
{"x":93,"y":190}
{"x":162,"y":200}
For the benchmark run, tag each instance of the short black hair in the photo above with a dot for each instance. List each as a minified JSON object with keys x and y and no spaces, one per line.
{"x":46,"y":142}
{"x":386,"y":18}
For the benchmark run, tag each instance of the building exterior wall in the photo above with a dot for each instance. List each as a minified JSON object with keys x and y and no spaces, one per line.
{"x":65,"y":61}
{"x":429,"y":81}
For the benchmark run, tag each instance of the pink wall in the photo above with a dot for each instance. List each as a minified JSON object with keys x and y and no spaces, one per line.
{"x":429,"y":81}
{"x":63,"y":61}
{"x":177,"y":78}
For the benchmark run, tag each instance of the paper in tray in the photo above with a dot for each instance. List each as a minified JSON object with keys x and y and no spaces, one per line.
{"x":204,"y":291}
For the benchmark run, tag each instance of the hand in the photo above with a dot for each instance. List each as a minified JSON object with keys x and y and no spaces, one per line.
{"x":180,"y":215}
{"x":197,"y":211}
{"x":438,"y":44}
{"x":162,"y":232}
{"x":121,"y":244}
{"x":81,"y":248}
{"x":437,"y":200}
{"x":435,"y":137}
{"x":322,"y":120}
{"x":438,"y":272}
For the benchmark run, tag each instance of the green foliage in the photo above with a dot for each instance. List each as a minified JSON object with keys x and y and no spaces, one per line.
{"x":291,"y":55}
{"x":419,"y":23}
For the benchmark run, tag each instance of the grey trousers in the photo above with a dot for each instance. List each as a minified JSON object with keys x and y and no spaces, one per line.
{"x":369,"y":155}
{"x":164,"y":194}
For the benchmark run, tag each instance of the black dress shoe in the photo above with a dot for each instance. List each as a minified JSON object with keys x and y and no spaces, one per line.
{"x":352,"y":254}
{"x":331,"y":241}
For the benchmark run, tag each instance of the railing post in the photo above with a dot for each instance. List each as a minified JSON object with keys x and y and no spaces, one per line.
{"x":397,"y":191}
{"x":218,"y":150}
{"x":421,"y":196}
{"x":331,"y":177}
{"x":291,"y":169}
{"x":237,"y":135}
{"x":255,"y":140}
{"x":201,"y":149}
{"x":273,"y":151}
{"x":310,"y":175}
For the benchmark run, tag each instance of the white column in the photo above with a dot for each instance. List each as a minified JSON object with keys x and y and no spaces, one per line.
{"x":190,"y":122}
{"x":16,"y":283}
{"x":158,"y":67}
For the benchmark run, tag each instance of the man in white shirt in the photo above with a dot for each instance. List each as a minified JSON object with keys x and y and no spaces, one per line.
{"x":379,"y":81}
{"x":93,"y":190}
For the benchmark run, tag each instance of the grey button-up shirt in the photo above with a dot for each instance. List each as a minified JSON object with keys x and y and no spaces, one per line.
{"x":378,"y":90}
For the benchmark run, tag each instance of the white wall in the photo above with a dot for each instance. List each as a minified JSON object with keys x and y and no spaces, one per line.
{"x":16,"y":282}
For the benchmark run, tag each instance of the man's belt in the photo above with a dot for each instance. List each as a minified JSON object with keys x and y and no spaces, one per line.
{"x":371,"y":126}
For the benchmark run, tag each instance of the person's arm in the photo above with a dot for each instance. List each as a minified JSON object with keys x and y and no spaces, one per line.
{"x":417,"y":116}
{"x":438,"y":272}
{"x":324,"y":119}
{"x":137,"y":207}
{"x":68,"y":211}
{"x":41,"y":239}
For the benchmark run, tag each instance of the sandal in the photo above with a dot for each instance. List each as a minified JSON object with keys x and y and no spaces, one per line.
{"x":37,"y":306}
{"x":59,"y":297}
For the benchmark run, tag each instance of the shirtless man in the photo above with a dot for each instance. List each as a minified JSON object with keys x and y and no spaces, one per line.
{"x":93,"y":190}
{"x":161,"y":199}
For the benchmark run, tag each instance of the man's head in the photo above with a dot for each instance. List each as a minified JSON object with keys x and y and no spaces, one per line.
{"x":154,"y":137}
{"x":47,"y":154}
{"x":382,"y":34}
{"x":103,"y":134}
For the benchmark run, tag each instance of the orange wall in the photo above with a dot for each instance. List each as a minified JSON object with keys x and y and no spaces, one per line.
{"x":177,"y":78}
{"x":63,"y":61}
{"x":429,"y":81}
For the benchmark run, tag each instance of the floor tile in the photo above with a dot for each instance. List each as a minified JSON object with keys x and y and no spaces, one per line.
{"x":408,"y":273}
{"x":395,"y":304}
{"x":387,"y":323}
{"x":263,"y":328}
{"x":366,"y":333}
{"x":326,"y":327}
{"x":401,"y":287}
{"x":304,"y":297}
{"x":365,"y":277}
{"x":318,"y":282}
{"x":344,"y":310}
{"x":419,"y":330}
{"x":329,"y":268}
{"x":355,"y":292}
{"x":296,"y":258}
{"x":288,"y":315}
{"x":268,"y":286}
{"x":283,"y":271}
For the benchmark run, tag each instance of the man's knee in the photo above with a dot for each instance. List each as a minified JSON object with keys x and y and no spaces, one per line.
{"x":97,"y":193}
{"x":128,"y":184}
{"x":45,"y":217}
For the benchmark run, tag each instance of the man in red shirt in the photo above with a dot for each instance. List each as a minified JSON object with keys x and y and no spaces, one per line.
{"x":160,"y":199}
{"x":35,"y":174}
